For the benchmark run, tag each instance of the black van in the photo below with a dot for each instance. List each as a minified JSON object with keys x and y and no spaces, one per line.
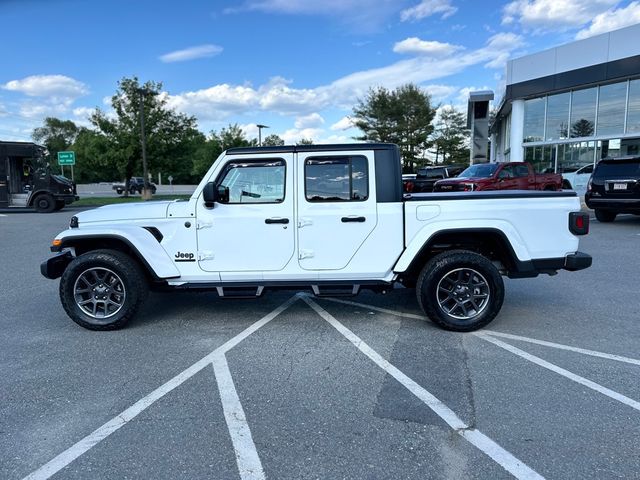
{"x":614,"y":188}
{"x":26,"y":179}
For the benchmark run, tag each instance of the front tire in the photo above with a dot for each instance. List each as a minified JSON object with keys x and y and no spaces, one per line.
{"x":102,"y":289}
{"x":460,"y":290}
{"x":605,"y":216}
{"x":45,"y":203}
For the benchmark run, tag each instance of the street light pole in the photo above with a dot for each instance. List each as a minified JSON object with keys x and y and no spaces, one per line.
{"x":145,"y":172}
{"x":260,"y":127}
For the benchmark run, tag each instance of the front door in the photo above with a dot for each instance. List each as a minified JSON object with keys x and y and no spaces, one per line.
{"x":336,"y":208}
{"x":251,"y":229}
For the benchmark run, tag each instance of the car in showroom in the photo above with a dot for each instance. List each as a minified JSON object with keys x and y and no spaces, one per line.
{"x":614,"y":188}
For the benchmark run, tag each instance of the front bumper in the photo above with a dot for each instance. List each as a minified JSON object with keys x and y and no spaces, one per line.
{"x":55,"y":266}
{"x":67,"y":198}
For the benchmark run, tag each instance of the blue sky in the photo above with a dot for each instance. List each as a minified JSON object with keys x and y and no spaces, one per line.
{"x":298,"y":66}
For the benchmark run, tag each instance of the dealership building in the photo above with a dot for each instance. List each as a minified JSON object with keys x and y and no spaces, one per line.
{"x":572,"y":105}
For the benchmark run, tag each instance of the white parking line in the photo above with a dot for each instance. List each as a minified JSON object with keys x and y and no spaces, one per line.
{"x":560,"y":346}
{"x":498,"y":454}
{"x":377,"y":309}
{"x":584,"y":351}
{"x":247,"y":458}
{"x":561,"y":371}
{"x":69,"y":455}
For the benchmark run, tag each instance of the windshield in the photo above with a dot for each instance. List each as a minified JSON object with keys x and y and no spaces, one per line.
{"x":483,"y":170}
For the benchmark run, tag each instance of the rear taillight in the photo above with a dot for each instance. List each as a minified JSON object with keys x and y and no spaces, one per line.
{"x":579,"y":223}
{"x":589,"y":184}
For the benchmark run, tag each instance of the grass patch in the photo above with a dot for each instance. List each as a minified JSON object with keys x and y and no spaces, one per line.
{"x":99,"y":201}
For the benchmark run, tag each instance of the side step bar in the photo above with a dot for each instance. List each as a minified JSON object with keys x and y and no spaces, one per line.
{"x":240,"y":292}
{"x":336,"y":290}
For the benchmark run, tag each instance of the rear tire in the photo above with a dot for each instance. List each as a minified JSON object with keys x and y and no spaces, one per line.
{"x":103,"y":289}
{"x":605,"y":216}
{"x":460,"y":290}
{"x":44,"y":203}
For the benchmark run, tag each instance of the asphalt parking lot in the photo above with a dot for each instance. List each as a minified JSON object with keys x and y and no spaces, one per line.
{"x":290,"y":386}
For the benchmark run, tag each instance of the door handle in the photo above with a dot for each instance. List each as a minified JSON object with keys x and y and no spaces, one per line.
{"x":353,"y":219}
{"x":269,"y":221}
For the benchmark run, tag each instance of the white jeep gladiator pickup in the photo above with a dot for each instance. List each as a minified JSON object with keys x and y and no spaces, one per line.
{"x":332,"y":218}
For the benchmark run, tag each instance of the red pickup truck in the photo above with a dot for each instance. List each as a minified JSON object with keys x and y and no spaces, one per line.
{"x":500,"y":176}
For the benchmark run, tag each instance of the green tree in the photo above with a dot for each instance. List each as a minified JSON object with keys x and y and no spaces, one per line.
{"x":171,"y":138}
{"x":93,"y":160}
{"x":305,"y":141}
{"x":56,"y":135}
{"x":450,"y":136}
{"x":273,"y":141}
{"x":402,"y":116}
{"x":230,"y":136}
{"x":582,"y":128}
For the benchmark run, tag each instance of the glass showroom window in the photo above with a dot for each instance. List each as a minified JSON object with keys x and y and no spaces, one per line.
{"x":534,"y":119}
{"x":611,"y":104}
{"x":558,"y":116}
{"x":583,"y":113}
{"x":633,"y":110}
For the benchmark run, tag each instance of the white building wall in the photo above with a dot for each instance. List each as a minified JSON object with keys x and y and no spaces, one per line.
{"x":517,"y":131}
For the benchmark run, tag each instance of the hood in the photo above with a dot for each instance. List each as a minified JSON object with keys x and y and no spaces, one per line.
{"x":465,"y":180}
{"x":125,"y":211}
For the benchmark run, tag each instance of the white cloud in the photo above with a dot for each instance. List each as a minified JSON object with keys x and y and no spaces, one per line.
{"x":191,"y":53}
{"x":279,"y":96}
{"x":426,"y":8}
{"x":59,"y":87}
{"x":83,"y":112}
{"x":344,"y":123}
{"x":546,"y":15}
{"x":215,"y":102}
{"x":294,"y":135}
{"x":313,"y":120}
{"x":415,"y":46}
{"x":611,"y":20}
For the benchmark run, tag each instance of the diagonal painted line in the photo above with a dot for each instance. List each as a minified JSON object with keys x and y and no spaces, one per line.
{"x":69,"y":455}
{"x":584,"y":351}
{"x":559,"y":346}
{"x":497,"y":453}
{"x":561,"y":371}
{"x":377,"y":309}
{"x":247,"y":457}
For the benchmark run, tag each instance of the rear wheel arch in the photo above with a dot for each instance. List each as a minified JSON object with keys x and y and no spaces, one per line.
{"x":490,"y":243}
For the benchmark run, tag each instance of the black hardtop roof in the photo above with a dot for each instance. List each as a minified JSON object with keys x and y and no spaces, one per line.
{"x":626,"y":158}
{"x":350,"y":147}
{"x":20,"y":149}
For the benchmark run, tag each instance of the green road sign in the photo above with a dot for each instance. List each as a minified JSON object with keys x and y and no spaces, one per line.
{"x":66,"y":158}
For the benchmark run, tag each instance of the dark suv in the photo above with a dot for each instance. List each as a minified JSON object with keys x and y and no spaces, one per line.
{"x":614,"y":188}
{"x":428,"y":176}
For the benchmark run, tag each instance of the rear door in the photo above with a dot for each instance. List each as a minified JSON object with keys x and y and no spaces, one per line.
{"x":336,"y":207}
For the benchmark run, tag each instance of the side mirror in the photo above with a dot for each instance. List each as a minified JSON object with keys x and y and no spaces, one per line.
{"x":210,"y":194}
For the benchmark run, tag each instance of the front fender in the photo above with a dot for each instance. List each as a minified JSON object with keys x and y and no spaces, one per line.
{"x":144,"y":245}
